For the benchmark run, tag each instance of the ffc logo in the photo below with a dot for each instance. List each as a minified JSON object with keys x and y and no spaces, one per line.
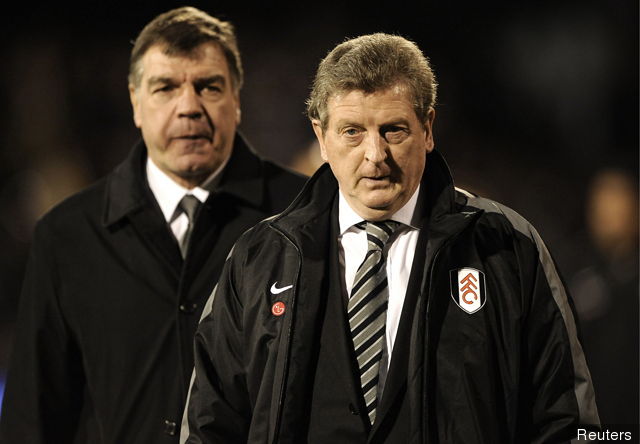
{"x":468,"y":289}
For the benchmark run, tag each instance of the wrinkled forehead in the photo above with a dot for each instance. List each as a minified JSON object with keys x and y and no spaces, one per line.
{"x":198,"y":51}
{"x":205,"y":59}
{"x":396,"y":98}
{"x":202,"y":53}
{"x":397,"y":89}
{"x":162,"y":54}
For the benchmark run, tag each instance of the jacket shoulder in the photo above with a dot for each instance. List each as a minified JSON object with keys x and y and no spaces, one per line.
{"x":495,"y":214}
{"x":282,"y":184}
{"x":254,"y":238}
{"x":85,"y":206}
{"x":277,"y":173}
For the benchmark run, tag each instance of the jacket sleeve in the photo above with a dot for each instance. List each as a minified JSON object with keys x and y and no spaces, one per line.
{"x":558,"y":395}
{"x":218,"y":408}
{"x":44,"y":391}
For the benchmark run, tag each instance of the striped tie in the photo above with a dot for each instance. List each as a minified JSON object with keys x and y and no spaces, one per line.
{"x":367,"y":311}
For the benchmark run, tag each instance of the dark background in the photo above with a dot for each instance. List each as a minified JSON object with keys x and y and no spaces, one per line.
{"x":536,"y":100}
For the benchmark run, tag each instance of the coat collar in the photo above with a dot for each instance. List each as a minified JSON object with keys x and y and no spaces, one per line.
{"x":314,"y":201}
{"x":306,"y":223}
{"x":127,"y":189}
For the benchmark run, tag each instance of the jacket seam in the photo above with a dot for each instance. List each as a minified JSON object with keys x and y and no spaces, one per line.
{"x":290,"y":332}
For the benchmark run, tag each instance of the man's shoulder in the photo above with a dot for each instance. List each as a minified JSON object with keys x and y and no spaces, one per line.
{"x":495,"y":214}
{"x":88,"y":200}
{"x":274,"y":174}
{"x":281,"y":179}
{"x":89,"y":204}
{"x":258,"y":235}
{"x":274,"y":171}
{"x":279,"y":185}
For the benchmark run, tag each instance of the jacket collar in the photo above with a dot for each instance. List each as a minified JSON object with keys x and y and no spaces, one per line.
{"x":243,"y":176}
{"x":315,"y":200}
{"x":128,"y":191}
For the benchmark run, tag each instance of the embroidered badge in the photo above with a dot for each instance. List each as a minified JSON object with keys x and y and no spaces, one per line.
{"x":278,"y":309}
{"x":468,"y":289}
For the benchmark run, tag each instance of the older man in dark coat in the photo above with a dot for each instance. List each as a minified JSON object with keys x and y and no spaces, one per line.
{"x":119,"y":273}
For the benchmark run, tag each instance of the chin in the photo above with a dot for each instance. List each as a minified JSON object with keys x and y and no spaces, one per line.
{"x":195,"y":170}
{"x":380,"y":201}
{"x":375,"y":214}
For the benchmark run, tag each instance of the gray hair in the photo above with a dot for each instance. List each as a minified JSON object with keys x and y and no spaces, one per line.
{"x":372,"y":63}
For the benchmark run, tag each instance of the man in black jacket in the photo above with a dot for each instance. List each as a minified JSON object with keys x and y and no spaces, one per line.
{"x":120,"y":272}
{"x":384,"y":305}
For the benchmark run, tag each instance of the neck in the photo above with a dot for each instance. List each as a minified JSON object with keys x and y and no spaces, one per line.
{"x":188,"y":182}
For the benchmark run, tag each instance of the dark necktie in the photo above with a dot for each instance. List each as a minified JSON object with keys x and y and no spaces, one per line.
{"x":189,"y":206}
{"x":367,"y":311}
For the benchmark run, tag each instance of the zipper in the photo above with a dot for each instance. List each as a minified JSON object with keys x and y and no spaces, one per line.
{"x":432,"y":267}
{"x":425,"y":397}
{"x":276,"y":429}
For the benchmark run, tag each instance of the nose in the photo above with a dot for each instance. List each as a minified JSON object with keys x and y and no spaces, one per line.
{"x":375,"y":148}
{"x":189,"y":105}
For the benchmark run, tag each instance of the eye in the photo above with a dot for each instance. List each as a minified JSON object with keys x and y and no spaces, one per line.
{"x":394,"y":133}
{"x":351,"y":132}
{"x":165,"y":88}
{"x":212,"y":88}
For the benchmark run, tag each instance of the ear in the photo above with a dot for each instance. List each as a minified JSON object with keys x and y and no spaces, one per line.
{"x":428,"y":128}
{"x":135,"y":104}
{"x":317,"y":128}
{"x":238,"y":110}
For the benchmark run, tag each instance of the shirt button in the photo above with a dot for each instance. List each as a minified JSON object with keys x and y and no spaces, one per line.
{"x":169,"y":427}
{"x":353,"y":410}
{"x":188,"y":308}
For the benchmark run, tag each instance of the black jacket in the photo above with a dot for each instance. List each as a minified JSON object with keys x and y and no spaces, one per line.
{"x":104,"y":339}
{"x":512,"y":372}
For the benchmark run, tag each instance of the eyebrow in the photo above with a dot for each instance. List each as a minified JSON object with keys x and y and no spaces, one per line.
{"x":217,"y":78}
{"x":396,"y":122}
{"x":346,"y":122}
{"x":159,"y":80}
{"x":349,"y":122}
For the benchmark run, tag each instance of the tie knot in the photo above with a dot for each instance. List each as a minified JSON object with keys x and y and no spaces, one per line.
{"x":378,"y":233}
{"x":189,"y":204}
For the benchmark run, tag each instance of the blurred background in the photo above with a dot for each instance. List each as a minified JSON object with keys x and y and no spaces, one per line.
{"x":538,"y":109}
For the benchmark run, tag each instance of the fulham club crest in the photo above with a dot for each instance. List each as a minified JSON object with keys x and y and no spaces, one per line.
{"x":468,"y":289}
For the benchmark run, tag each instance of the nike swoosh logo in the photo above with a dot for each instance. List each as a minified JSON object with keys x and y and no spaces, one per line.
{"x":276,"y":290}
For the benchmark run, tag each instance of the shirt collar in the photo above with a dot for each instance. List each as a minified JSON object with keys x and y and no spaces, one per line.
{"x":348,"y":218}
{"x":168,"y":193}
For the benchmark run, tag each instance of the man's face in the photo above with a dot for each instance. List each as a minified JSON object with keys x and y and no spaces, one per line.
{"x":187,"y":110}
{"x":376,"y":147}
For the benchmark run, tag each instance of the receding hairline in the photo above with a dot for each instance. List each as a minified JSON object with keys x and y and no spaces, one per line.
{"x":181,"y":30}
{"x":194,"y":53}
{"x":344,"y":69}
{"x":400,"y":83}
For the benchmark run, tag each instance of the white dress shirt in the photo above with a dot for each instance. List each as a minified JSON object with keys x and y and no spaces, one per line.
{"x":400,"y":251}
{"x":168,"y":193}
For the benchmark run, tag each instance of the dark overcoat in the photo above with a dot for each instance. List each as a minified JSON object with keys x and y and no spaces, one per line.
{"x":103,"y":350}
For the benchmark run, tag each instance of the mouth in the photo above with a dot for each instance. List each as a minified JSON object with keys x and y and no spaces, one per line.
{"x":377,"y":178}
{"x":194,"y":137}
{"x":376,"y":181}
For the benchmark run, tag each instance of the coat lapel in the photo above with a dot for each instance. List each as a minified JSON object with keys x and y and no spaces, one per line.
{"x":242,"y":181}
{"x":340,"y":346}
{"x":129,"y":199}
{"x":438,"y":223}
{"x":397,"y":375}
